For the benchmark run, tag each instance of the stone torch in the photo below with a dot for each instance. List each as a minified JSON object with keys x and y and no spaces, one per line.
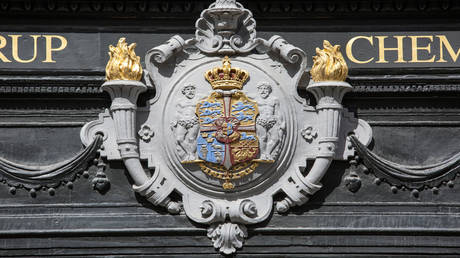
{"x":328,"y":73}
{"x":123,"y":73}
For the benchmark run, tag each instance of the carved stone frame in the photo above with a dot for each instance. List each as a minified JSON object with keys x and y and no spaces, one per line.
{"x":318,"y":133}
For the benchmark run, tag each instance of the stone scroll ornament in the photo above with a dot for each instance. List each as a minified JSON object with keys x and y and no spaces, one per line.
{"x":226,"y":131}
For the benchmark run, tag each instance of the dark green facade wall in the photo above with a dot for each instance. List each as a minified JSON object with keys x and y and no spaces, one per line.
{"x":413,"y":108}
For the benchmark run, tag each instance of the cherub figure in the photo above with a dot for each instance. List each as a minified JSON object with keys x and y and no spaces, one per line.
{"x":186,"y":125}
{"x":270,"y":124}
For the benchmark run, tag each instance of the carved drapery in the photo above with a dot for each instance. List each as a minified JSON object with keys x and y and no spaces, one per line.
{"x":34,"y":178}
{"x":415,"y":178}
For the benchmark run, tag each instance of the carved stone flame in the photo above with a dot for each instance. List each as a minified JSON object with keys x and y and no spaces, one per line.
{"x":329,"y":64}
{"x":124,"y":64}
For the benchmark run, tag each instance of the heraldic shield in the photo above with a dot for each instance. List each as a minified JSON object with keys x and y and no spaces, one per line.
{"x":227,"y":129}
{"x":227,"y":119}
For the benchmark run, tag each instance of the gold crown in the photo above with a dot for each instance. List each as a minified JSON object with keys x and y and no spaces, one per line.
{"x":226,"y":77}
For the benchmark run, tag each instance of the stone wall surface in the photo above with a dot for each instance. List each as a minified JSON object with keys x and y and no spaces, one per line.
{"x":362,"y":210}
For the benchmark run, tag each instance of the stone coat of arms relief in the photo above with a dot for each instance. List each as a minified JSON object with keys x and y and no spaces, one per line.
{"x":225,"y":129}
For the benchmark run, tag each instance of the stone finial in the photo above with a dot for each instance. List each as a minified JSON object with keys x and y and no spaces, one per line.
{"x":225,"y":4}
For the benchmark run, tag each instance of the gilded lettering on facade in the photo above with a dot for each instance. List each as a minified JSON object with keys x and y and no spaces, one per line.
{"x":418,"y":49}
{"x":389,"y":48}
{"x":17,"y":56}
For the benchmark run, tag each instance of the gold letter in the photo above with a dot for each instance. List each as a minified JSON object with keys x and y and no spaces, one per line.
{"x":382,"y":49}
{"x":2,"y":45}
{"x":350,"y":47}
{"x":15,"y":48}
{"x":416,"y":48}
{"x":444,"y":42}
{"x":50,"y":49}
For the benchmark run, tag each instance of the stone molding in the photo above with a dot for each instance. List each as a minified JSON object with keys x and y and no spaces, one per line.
{"x":151,"y":9}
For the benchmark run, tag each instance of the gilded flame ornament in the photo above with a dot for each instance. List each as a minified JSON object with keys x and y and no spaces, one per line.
{"x":124,"y":64}
{"x":329,"y":64}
